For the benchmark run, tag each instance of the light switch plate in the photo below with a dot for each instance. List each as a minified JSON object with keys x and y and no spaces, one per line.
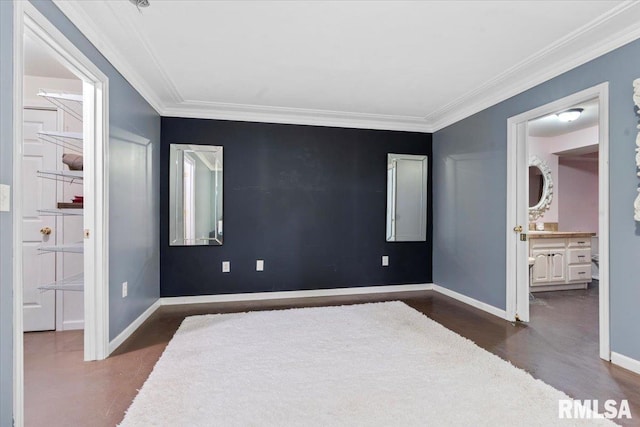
{"x":259,"y":265}
{"x":226,"y":266}
{"x":5,"y":198}
{"x":385,"y":260}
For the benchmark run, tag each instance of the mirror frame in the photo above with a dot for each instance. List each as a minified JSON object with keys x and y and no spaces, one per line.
{"x":176,"y":220}
{"x":544,"y":203}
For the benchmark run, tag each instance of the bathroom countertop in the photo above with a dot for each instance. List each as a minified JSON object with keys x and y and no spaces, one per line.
{"x":555,"y":234}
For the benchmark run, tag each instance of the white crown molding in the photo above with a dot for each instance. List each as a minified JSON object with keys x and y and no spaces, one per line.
{"x":619,"y":26}
{"x":297,"y":116}
{"x":87,"y":27}
{"x":132,"y":28}
{"x":613,"y":29}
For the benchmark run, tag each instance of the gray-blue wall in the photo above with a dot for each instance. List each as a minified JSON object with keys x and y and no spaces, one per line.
{"x":6,"y":229}
{"x":470,"y":192}
{"x":134,"y":191}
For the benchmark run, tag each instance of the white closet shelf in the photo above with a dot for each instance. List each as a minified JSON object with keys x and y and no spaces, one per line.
{"x":69,"y":102}
{"x":76,"y":248}
{"x":66,"y":135}
{"x":63,"y":96}
{"x":65,"y":175}
{"x":70,"y":140}
{"x":71,"y":283}
{"x":51,"y":212}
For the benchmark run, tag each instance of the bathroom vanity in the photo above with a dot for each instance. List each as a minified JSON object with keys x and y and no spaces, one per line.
{"x":561,"y":260}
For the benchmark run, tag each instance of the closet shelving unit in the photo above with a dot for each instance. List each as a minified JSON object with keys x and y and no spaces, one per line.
{"x":70,"y":140}
{"x":71,"y":103}
{"x":71,"y":283}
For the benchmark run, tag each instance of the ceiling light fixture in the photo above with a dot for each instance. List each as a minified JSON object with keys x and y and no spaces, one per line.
{"x":570,"y":114}
{"x":140,"y":3}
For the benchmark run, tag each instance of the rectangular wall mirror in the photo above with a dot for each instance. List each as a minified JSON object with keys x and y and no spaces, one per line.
{"x":195,"y":195}
{"x":406,"y":198}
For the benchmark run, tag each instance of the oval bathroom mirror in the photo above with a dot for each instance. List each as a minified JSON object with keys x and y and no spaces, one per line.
{"x":540,"y":188}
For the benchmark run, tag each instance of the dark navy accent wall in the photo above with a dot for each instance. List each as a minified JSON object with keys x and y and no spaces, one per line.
{"x":310,"y":201}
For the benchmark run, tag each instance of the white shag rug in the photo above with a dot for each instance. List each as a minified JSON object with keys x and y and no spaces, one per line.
{"x":372,"y":364}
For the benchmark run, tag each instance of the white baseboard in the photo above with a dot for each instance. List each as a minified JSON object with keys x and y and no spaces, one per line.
{"x":625,"y":362}
{"x":470,"y":301}
{"x":258,"y":296}
{"x":263,"y":296}
{"x":122,"y":336}
{"x":72,"y":325}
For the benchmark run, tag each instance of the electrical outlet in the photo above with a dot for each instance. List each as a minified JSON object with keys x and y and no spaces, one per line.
{"x":259,"y":265}
{"x":125,"y":289}
{"x":226,"y":266}
{"x":5,"y":198}
{"x":385,"y":260}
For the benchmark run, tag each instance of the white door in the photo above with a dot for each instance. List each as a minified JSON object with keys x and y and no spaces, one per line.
{"x":39,"y":268}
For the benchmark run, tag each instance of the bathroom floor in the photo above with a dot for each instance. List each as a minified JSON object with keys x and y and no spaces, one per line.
{"x":559,"y":346}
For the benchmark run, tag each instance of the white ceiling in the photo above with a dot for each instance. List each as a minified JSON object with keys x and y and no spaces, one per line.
{"x":375,"y":64}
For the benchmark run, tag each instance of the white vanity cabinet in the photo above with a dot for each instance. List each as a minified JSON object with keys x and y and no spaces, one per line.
{"x":561,"y":261}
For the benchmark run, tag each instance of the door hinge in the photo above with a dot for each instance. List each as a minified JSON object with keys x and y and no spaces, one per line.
{"x":86,"y":233}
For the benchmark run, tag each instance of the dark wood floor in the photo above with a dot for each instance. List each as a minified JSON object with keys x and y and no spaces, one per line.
{"x":559,"y":346}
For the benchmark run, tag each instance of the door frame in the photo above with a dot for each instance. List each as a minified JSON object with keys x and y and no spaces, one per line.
{"x":517,"y":304}
{"x":96,"y":208}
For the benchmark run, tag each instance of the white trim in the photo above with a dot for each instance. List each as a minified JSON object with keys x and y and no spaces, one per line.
{"x":470,"y":301}
{"x":129,"y":330}
{"x":18,"y":319}
{"x":517,"y":282}
{"x":298,"y":116}
{"x":625,"y":362}
{"x":311,"y":293}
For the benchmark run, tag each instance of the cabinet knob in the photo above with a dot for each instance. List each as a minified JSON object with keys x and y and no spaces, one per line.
{"x":45,"y":231}
{"x":517,"y":229}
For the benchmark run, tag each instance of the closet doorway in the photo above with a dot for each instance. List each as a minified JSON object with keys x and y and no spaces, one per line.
{"x":60,"y":205}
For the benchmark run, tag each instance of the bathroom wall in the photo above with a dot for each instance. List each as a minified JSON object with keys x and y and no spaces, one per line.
{"x":543,"y":148}
{"x":551,"y":149}
{"x":578,"y":184}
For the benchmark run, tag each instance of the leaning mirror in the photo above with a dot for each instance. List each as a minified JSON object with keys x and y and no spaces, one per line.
{"x":540,"y":188}
{"x":195,"y":195}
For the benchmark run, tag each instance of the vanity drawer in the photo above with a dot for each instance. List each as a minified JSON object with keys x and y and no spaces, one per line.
{"x":546,"y":243}
{"x":580,"y":242}
{"x":579,"y":256}
{"x":579,"y":273}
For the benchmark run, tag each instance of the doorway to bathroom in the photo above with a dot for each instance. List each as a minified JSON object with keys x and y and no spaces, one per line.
{"x":552,"y":240}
